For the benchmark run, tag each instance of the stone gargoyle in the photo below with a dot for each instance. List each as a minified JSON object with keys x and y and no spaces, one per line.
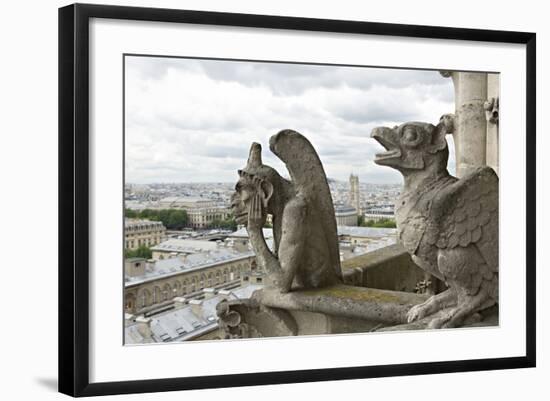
{"x":305,"y":251}
{"x":448,"y":225}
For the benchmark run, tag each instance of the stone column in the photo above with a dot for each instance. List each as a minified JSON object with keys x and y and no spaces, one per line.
{"x":470,"y":124}
{"x":492,"y":115}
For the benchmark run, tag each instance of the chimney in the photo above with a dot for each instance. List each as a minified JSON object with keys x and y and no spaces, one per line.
{"x":134,"y":267}
{"x":144,"y":326}
{"x":179,"y":301}
{"x":196,"y":307}
{"x":209,"y":292}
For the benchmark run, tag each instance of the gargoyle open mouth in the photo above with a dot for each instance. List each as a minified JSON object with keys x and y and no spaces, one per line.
{"x":392,"y":151}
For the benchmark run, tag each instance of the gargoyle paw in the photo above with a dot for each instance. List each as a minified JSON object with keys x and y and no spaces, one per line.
{"x":417,"y":312}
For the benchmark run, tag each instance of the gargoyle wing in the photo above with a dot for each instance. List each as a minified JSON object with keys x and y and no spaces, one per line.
{"x":309,"y":178}
{"x":466,"y":212}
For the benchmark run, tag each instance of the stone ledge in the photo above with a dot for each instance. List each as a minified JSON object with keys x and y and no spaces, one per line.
{"x":383,"y":255}
{"x":389,"y":268}
{"x":381,"y":306}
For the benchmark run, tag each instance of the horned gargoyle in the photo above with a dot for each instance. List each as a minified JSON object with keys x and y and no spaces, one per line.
{"x":305,"y":252}
{"x":448,"y":225}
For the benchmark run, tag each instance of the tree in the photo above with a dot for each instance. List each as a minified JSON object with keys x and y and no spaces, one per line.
{"x":382,"y":223}
{"x":230,"y":224}
{"x":141,"y":252}
{"x":147,"y":213}
{"x":164,"y":216}
{"x":227,"y":224}
{"x":170,"y":218}
{"x":176,"y":219}
{"x":132,"y":214}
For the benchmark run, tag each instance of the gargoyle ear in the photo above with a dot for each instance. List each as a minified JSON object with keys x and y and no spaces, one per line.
{"x":266,"y":191}
{"x":445,"y":126}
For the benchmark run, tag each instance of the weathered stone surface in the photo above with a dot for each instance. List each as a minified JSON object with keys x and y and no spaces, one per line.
{"x":493,"y":93}
{"x":381,"y":306}
{"x":469,"y":135}
{"x":249,"y":319}
{"x":448,"y":225}
{"x":491,"y":110}
{"x":305,"y":251}
{"x":330,"y":310}
{"x":389,"y":268}
{"x":486,"y":318}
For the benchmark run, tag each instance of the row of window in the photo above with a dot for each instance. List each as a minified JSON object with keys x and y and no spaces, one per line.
{"x":210,"y":217}
{"x":158,"y":294}
{"x":131,"y":243}
{"x":146,"y":227}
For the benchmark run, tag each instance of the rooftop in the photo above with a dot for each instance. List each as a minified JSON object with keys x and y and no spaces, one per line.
{"x":184,"y":199}
{"x":366,"y":232}
{"x":344,"y":209}
{"x":242,"y":233}
{"x":185,"y":246}
{"x":140,"y":222}
{"x":189,"y":320}
{"x":197,"y":261}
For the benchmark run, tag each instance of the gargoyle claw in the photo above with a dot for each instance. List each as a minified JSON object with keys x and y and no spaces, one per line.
{"x":417,"y":312}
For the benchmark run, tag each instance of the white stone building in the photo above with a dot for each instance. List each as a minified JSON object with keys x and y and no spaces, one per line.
{"x":345,"y":215}
{"x":201,"y":212}
{"x":142,"y":233}
{"x":150,"y":284}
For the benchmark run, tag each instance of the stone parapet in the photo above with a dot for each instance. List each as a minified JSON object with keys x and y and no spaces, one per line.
{"x":388,"y":268}
{"x":330,"y":310}
{"x":381,"y":306}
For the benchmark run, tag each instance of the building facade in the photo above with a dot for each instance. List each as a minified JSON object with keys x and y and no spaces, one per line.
{"x":151,"y":284}
{"x":379,"y":213}
{"x":142,"y":233}
{"x":201,"y":213}
{"x":204,"y":217}
{"x":345,"y":215}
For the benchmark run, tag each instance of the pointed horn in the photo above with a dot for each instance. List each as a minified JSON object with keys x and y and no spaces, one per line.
{"x":255,"y":156}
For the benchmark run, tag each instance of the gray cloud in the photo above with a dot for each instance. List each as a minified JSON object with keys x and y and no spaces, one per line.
{"x":286,"y":78}
{"x":194,"y":120}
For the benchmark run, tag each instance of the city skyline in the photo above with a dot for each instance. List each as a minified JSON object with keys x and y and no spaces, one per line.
{"x":192,"y":121}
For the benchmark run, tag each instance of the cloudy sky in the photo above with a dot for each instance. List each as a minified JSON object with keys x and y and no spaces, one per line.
{"x":194,"y":120}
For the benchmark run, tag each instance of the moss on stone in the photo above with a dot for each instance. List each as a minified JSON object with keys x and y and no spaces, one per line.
{"x":355,"y":293}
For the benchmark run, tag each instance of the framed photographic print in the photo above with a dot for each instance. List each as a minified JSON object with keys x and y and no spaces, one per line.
{"x":297,"y":199}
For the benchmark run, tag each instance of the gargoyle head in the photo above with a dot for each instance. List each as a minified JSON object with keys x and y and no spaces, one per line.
{"x":414,"y":145}
{"x":255,"y":181}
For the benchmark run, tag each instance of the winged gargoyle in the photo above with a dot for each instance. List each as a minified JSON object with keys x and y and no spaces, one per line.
{"x":305,"y":252}
{"x":448,"y":225}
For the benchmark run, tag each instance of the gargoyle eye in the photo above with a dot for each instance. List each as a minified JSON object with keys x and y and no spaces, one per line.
{"x":410,"y":135}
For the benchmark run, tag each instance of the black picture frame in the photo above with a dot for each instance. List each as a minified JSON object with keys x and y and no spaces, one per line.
{"x":74,"y":194}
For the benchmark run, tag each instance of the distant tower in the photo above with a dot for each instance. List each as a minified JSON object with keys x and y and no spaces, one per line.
{"x":354,"y":200}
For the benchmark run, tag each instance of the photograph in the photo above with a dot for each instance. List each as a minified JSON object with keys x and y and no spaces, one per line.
{"x":277,"y":199}
{"x":250,"y":199}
